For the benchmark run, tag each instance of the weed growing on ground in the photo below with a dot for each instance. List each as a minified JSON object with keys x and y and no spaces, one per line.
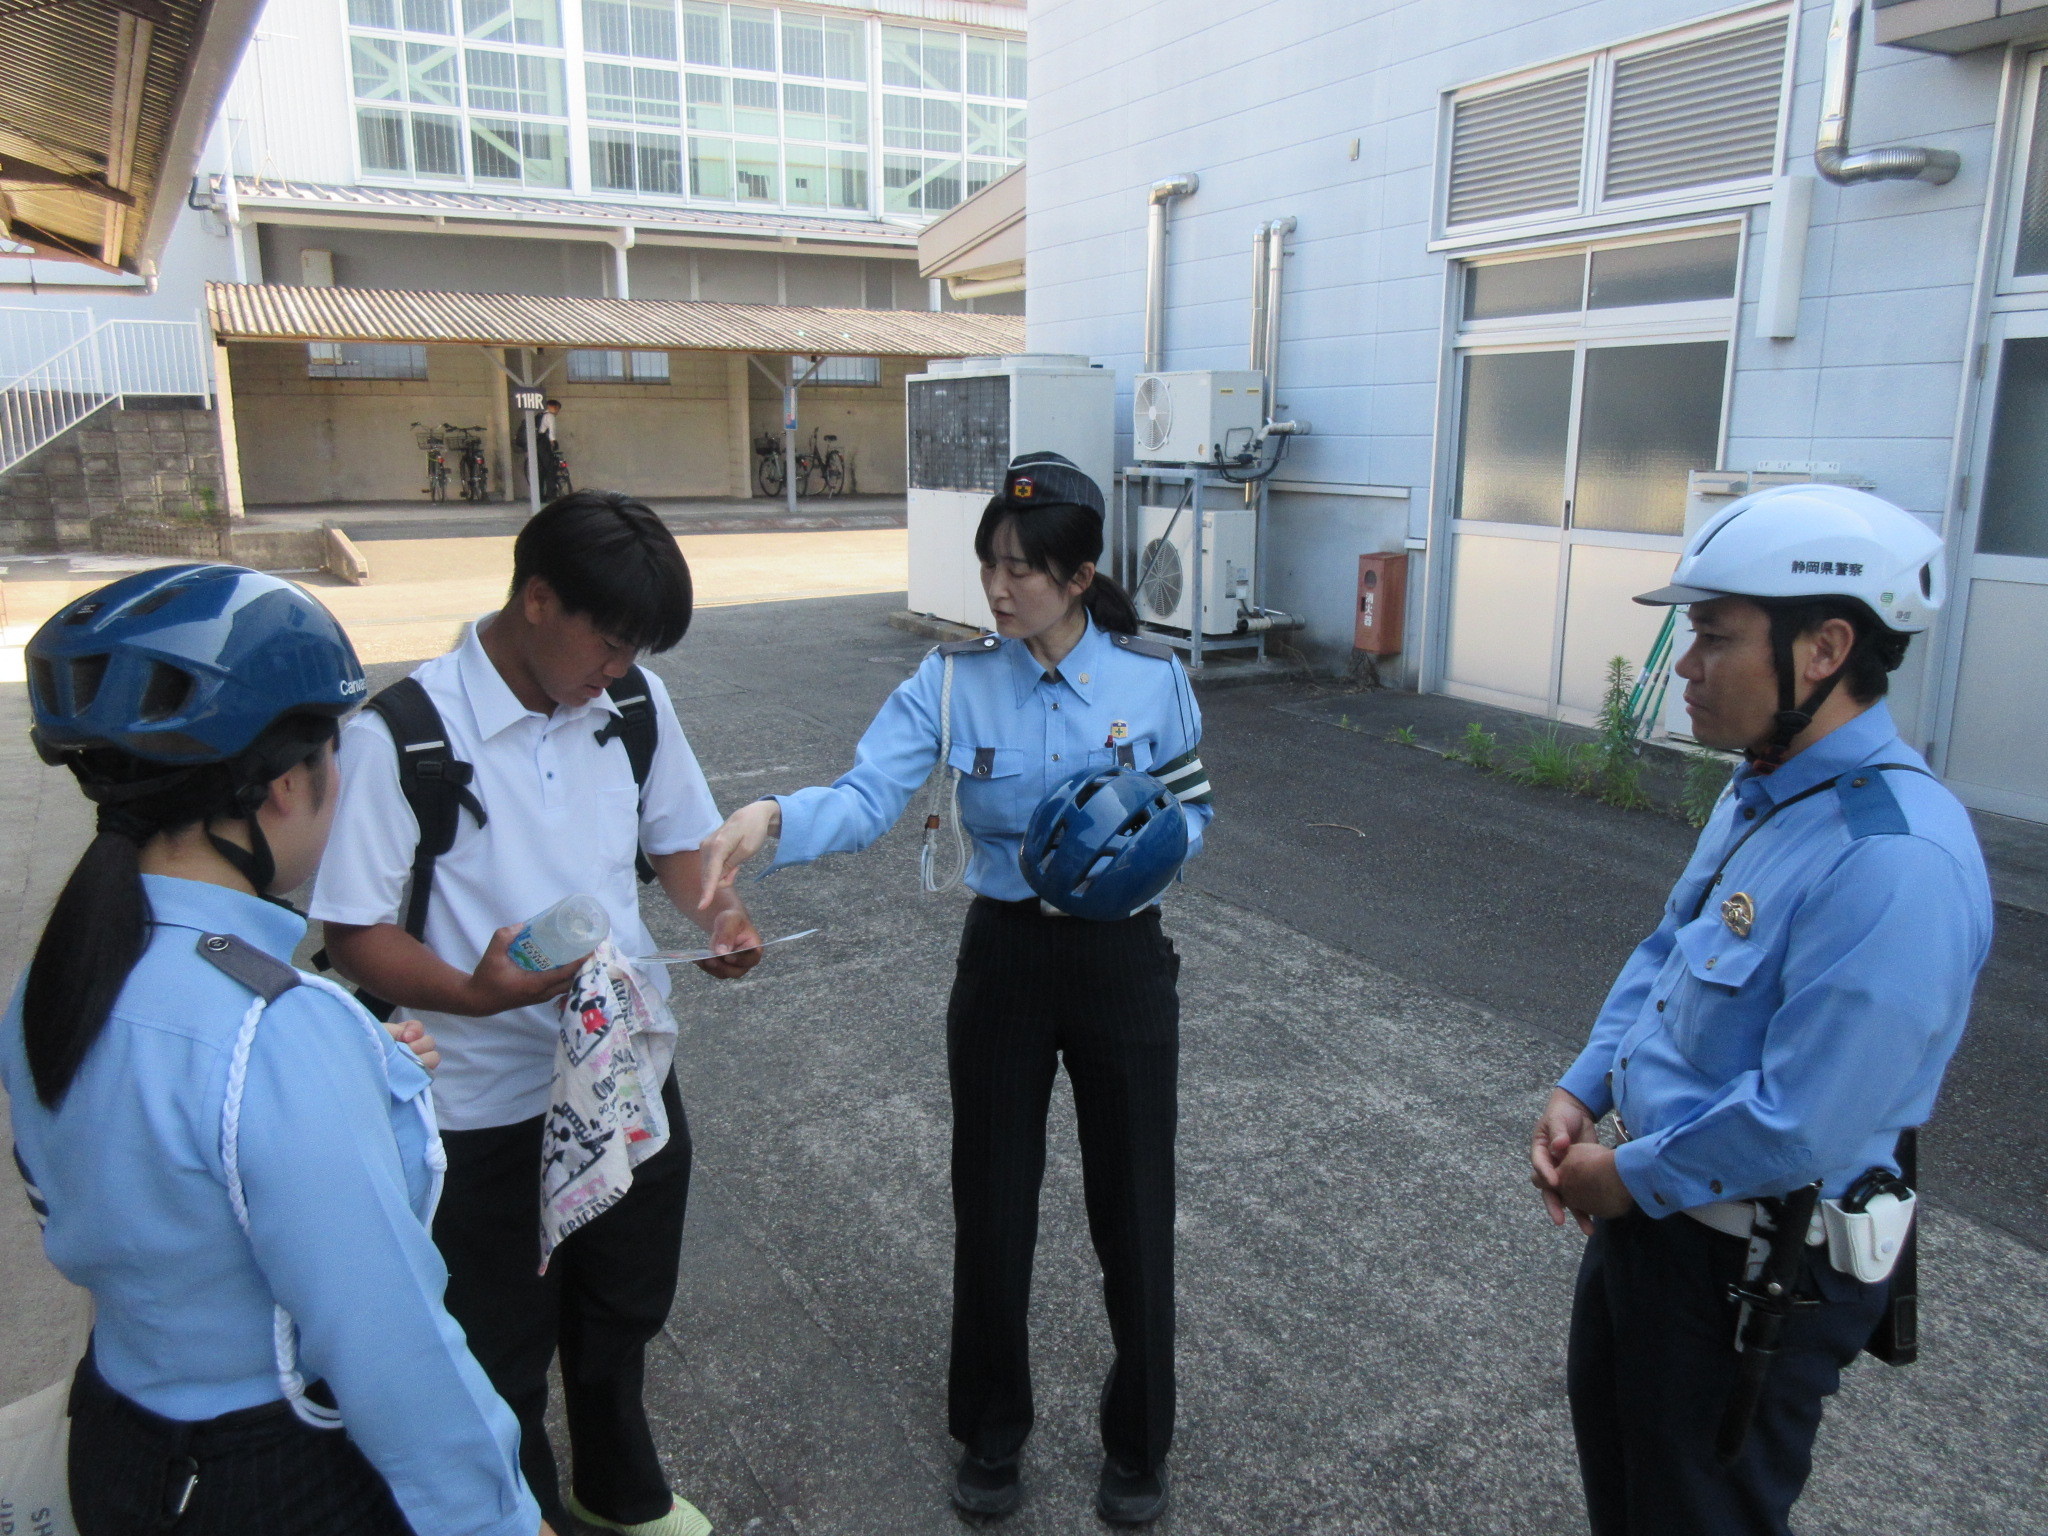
{"x":1403,"y":736}
{"x":1618,"y":768}
{"x":1706,"y":775}
{"x":1545,"y":759}
{"x":1478,"y":746}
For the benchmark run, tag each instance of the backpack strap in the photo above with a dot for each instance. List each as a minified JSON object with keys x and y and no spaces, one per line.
{"x":434,"y":781}
{"x":435,"y":784}
{"x":637,"y":725}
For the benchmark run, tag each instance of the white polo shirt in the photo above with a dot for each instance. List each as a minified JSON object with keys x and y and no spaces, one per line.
{"x":564,"y":817}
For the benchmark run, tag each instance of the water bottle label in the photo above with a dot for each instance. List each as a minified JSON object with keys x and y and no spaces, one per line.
{"x":527,"y":954}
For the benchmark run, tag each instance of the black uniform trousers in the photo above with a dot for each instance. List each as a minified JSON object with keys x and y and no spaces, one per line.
{"x":1652,"y":1358}
{"x":1033,"y":991}
{"x":607,"y":1292}
{"x":256,"y":1470}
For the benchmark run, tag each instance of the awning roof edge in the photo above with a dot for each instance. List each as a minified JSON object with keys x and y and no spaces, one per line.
{"x":277,"y":312}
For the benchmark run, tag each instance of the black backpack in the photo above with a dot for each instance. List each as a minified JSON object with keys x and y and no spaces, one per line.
{"x":436,"y":783}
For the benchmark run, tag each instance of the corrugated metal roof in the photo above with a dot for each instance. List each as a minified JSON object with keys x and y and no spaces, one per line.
{"x":274,"y":312}
{"x":114,"y":97}
{"x":258,"y":193}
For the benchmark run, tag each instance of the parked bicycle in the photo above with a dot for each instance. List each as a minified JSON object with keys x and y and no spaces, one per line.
{"x":818,"y":472}
{"x":554,"y":478}
{"x":467,"y":443}
{"x":769,"y":470}
{"x":827,"y":470}
{"x":433,"y":442}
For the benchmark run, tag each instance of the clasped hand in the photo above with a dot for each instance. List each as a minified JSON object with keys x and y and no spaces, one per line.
{"x":1573,"y":1173}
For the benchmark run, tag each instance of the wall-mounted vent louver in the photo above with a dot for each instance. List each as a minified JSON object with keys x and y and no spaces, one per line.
{"x":1694,"y":111}
{"x":1703,"y":112}
{"x":1518,"y":151}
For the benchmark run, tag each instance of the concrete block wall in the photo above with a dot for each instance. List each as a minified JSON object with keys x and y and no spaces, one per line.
{"x":145,"y":459}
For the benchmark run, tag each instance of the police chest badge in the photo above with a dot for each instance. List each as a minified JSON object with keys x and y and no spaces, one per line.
{"x":1119,"y":730}
{"x":1739,"y":913}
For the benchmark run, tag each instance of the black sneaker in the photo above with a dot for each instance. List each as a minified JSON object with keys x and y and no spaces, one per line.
{"x":987,"y":1487}
{"x":1130,"y":1498}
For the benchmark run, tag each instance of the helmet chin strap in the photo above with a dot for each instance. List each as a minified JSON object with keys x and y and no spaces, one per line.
{"x":1768,"y":754}
{"x":255,"y":864}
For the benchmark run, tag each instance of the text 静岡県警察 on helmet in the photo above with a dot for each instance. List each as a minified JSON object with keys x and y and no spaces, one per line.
{"x":185,"y":665}
{"x":1802,"y":541}
{"x":1104,"y":843}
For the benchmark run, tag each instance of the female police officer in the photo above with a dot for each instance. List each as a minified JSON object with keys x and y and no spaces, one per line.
{"x":233,"y":1158}
{"x":1068,"y":685}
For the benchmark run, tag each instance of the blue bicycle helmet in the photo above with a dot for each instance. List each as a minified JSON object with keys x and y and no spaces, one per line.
{"x":1104,"y":843}
{"x":186,"y":664}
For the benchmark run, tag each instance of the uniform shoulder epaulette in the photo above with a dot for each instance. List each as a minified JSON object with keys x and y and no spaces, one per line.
{"x":970,"y":647}
{"x":1868,"y":803}
{"x":1140,"y":646}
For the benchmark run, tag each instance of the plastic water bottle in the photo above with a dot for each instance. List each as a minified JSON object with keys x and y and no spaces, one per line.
{"x":568,"y":930}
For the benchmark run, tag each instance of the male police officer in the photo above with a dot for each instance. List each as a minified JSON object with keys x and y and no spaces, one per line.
{"x":1790,"y":1017}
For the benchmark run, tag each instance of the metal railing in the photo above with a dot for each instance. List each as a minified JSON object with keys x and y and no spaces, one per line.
{"x":85,"y":365}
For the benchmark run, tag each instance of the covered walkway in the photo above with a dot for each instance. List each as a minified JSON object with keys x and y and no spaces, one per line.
{"x":321,"y":387}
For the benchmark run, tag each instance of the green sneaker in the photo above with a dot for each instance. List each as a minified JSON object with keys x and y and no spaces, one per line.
{"x":683,"y":1519}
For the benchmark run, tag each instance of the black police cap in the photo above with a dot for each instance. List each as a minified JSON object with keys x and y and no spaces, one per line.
{"x":1048,"y":479}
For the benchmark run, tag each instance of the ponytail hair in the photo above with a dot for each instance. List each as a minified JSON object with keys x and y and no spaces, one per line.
{"x":101,"y":921}
{"x":1059,"y":538}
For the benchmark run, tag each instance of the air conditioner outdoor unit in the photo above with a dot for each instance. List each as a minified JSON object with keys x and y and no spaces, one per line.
{"x":1198,"y":417}
{"x":966,"y":419}
{"x":1166,"y":567}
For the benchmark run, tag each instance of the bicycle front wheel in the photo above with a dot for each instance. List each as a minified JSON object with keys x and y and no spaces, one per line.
{"x":768,"y":475}
{"x":437,"y":482}
{"x":835,"y":473}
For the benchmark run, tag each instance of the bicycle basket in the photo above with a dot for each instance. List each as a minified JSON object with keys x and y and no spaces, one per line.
{"x":462,"y":439}
{"x":427,"y":437}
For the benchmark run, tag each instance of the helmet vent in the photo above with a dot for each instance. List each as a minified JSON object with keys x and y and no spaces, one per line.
{"x":162,"y":597}
{"x":42,"y":681}
{"x":166,"y":694}
{"x":1927,"y":580}
{"x":87,"y":673}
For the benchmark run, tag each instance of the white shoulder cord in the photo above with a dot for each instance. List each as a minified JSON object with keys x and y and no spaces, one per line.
{"x":284,"y":1333}
{"x":949,"y":776}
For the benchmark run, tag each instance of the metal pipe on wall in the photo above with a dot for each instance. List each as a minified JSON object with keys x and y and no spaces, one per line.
{"x":1276,"y":253}
{"x":1831,"y":155}
{"x":1163,"y":194}
{"x":1257,"y":352}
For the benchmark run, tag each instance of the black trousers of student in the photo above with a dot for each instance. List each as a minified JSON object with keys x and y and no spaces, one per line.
{"x":1033,"y":991}
{"x":256,"y":1470}
{"x":1652,"y":1358}
{"x":606,"y":1294}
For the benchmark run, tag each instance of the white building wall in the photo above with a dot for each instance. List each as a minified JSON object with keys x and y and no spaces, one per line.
{"x":1265,"y":103}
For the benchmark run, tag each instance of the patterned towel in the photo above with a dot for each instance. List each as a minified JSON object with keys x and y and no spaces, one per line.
{"x":613,"y":1050}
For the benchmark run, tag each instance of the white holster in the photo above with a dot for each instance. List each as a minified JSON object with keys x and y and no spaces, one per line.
{"x":1867,"y":1243}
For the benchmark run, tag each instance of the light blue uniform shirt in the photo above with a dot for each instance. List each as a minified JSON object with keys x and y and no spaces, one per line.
{"x":333,"y":1160}
{"x":1017,"y":733}
{"x":1749,"y":1066}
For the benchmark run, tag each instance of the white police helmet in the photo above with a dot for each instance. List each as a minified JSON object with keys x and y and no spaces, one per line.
{"x":1815,"y":541}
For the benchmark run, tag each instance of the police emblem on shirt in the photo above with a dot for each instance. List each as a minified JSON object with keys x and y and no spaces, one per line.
{"x":1739,"y":913}
{"x":1119,"y":730}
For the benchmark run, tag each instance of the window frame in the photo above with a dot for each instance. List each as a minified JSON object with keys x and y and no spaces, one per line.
{"x":1688,"y":321}
{"x":1594,"y":210}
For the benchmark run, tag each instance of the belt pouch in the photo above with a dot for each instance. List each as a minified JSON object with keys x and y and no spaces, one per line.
{"x":1867,"y":1243}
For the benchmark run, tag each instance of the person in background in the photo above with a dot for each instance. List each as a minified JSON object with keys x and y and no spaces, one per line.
{"x":235,"y":1159}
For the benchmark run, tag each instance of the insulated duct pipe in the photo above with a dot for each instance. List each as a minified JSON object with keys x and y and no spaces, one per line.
{"x":1831,"y":156}
{"x":1163,"y":193}
{"x":1276,"y":254}
{"x":1257,"y":350}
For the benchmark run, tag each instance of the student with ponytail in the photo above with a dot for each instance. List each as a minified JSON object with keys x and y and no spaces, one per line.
{"x":232,"y":1157}
{"x":1065,"y":684}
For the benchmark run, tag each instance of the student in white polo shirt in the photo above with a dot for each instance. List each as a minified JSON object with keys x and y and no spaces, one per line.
{"x":523,"y":700}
